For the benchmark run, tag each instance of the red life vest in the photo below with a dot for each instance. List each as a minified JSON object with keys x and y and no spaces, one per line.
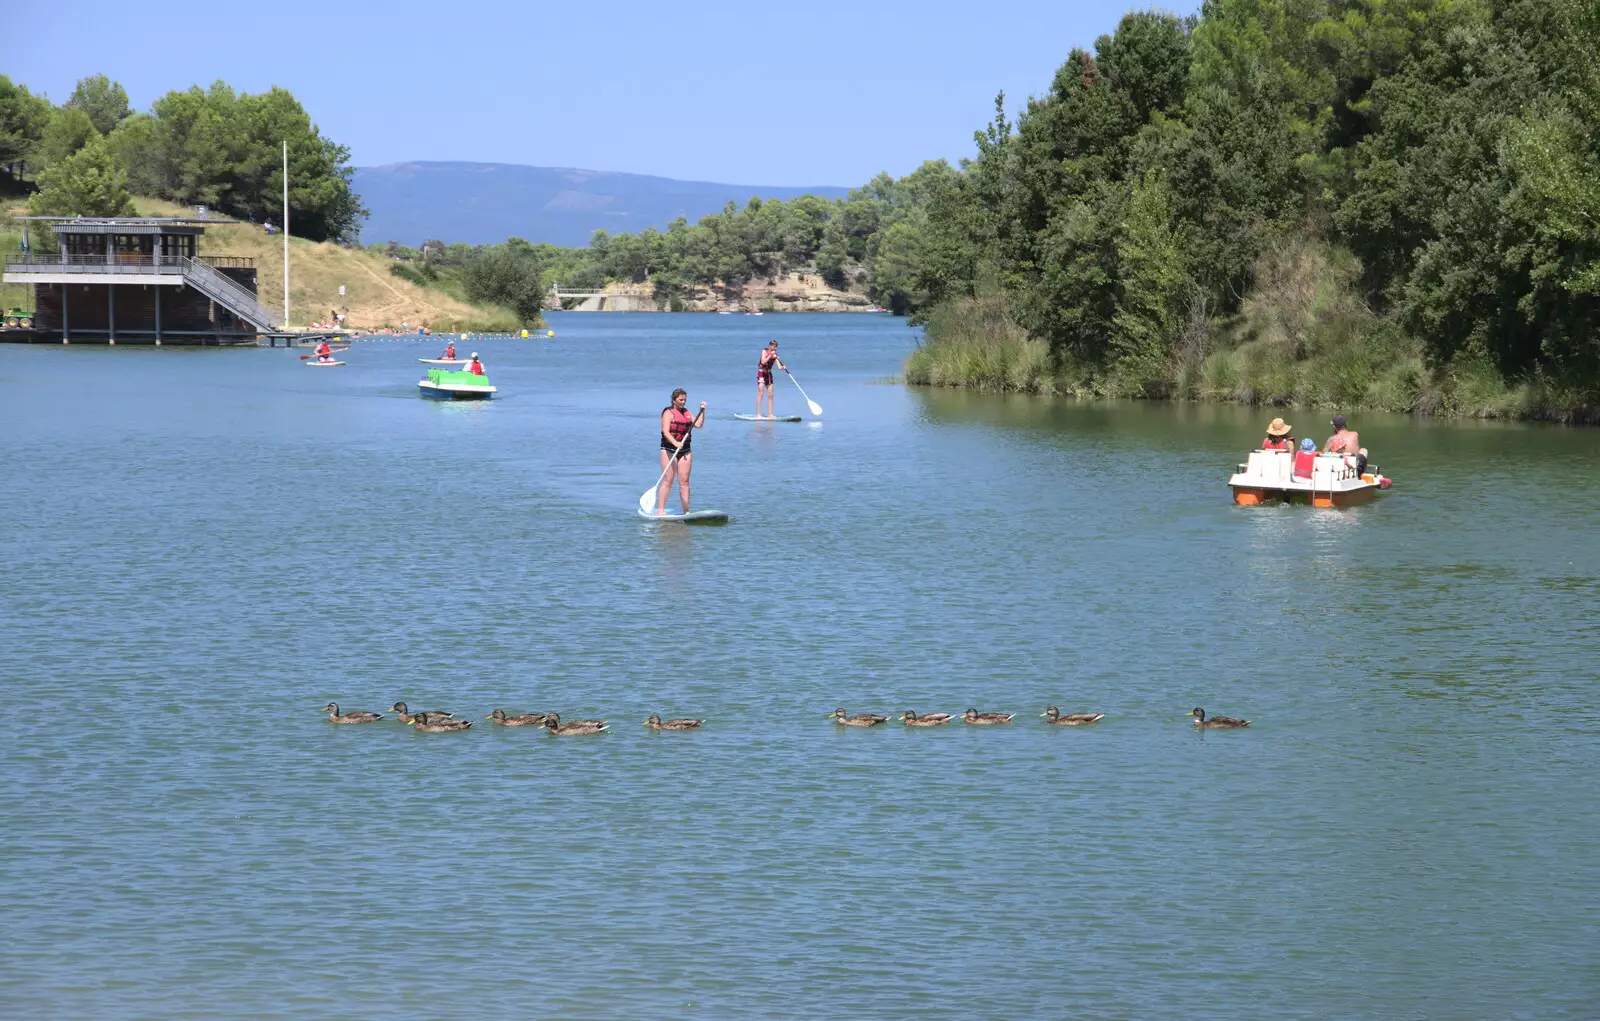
{"x":1303,"y":463}
{"x":476,"y":368}
{"x":1282,"y":443}
{"x":681,"y":423}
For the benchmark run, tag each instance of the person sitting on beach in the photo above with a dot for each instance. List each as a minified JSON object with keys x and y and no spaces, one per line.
{"x":1305,"y":460}
{"x":1278,"y":436}
{"x":474,"y":366}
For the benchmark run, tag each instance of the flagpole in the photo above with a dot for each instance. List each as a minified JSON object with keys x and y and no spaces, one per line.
{"x":286,"y":233}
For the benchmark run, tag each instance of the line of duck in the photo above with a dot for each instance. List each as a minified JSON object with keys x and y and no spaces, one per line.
{"x":433,"y":721}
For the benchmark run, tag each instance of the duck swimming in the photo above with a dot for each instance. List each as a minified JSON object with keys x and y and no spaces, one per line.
{"x":553,"y":724}
{"x":1062,"y":719}
{"x":859,"y":720}
{"x":437,"y":726}
{"x":332,"y":709}
{"x":911,"y":719}
{"x":525,"y":720}
{"x":1216,"y":722}
{"x":430,"y":715}
{"x":681,"y":723}
{"x":974,"y":717}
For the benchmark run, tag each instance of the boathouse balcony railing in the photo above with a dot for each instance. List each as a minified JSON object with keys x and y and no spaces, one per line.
{"x":127,"y":262}
{"x":227,"y":261}
{"x":91,"y":264}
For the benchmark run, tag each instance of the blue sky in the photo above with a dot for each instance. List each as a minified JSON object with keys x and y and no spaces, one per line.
{"x":756,"y":93}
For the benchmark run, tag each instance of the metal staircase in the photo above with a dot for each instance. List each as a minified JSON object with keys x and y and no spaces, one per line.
{"x":236,"y":299}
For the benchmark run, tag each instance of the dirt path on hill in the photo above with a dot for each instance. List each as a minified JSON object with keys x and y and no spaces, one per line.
{"x":399,"y":310}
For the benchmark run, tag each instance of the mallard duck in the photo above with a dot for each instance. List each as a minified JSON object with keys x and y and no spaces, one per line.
{"x":681,"y":723}
{"x":1216,"y":722}
{"x":332,"y":709}
{"x":1061,"y":719}
{"x":553,"y":724}
{"x":975,"y":717}
{"x":859,"y":720}
{"x":525,"y":720}
{"x":437,"y":726}
{"x":430,"y":715}
{"x":911,"y":719}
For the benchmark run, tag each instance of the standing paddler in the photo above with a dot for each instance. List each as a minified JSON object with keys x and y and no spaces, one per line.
{"x":677,"y":431}
{"x":769,"y":358}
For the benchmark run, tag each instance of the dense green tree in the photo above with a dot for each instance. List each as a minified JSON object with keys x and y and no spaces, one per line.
{"x":1155,"y":289}
{"x":69,"y":130}
{"x":103,"y":100}
{"x":507,"y":275}
{"x":1148,"y":60}
{"x":23,"y":119}
{"x":88,"y":183}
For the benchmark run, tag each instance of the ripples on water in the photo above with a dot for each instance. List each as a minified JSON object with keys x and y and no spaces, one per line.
{"x":205,"y":546}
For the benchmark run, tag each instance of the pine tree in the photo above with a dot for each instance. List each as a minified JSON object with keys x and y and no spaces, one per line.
{"x":88,"y":183}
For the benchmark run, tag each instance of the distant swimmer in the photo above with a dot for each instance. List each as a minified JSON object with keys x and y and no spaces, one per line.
{"x":769,"y":358}
{"x":677,"y":432}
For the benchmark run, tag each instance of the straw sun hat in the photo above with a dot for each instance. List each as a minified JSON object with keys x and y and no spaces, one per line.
{"x":1279,"y":428}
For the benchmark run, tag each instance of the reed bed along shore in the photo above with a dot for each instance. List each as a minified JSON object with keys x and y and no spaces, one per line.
{"x":1355,"y":362}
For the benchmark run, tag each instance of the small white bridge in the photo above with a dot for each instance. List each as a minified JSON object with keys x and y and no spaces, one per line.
{"x":588,"y":301}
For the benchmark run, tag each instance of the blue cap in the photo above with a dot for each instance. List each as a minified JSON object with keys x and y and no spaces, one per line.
{"x":1308,"y":444}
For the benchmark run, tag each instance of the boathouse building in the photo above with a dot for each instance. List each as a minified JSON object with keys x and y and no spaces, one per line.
{"x":138,"y":280}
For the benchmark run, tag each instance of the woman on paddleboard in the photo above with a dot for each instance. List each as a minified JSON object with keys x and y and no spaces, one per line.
{"x":769,"y":358}
{"x":449,"y":352}
{"x":324,"y":352}
{"x":677,"y":431}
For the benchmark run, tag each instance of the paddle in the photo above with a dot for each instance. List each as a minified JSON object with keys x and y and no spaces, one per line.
{"x":647,"y":499}
{"x":816,"y":409}
{"x":333,"y":351}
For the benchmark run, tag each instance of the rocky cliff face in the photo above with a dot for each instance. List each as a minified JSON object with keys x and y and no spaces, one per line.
{"x":797,"y":292}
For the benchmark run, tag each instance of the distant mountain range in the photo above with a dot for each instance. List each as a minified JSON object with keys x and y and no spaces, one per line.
{"x":485,"y":203}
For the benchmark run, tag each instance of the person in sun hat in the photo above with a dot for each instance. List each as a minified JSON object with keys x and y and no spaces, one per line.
{"x":1305,"y":459}
{"x":474,"y":366}
{"x":1279,"y":436}
{"x":1346,"y":441}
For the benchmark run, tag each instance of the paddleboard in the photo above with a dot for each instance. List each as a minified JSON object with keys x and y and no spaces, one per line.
{"x":692,"y":518}
{"x":444,"y":361}
{"x":322,"y":365}
{"x":769,"y":418}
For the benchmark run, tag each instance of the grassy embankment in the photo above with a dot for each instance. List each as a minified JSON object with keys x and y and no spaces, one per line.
{"x":1302,"y":339}
{"x":374,"y":298}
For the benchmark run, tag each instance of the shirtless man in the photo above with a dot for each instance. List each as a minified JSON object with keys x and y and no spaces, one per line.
{"x":1347,"y":442}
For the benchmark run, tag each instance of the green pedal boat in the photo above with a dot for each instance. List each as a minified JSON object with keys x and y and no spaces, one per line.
{"x":443,"y":384}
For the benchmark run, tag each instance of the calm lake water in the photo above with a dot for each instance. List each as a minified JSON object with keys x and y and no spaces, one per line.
{"x":205,"y":546}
